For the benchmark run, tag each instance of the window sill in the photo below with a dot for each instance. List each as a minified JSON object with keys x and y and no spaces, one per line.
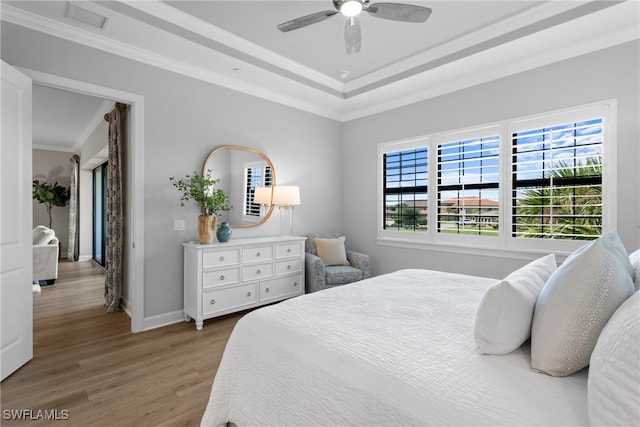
{"x":528,"y":255}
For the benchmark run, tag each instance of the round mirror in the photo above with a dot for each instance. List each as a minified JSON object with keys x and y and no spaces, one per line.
{"x":240,"y":171}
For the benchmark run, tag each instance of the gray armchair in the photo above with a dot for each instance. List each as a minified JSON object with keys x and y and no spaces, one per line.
{"x":320,"y":276}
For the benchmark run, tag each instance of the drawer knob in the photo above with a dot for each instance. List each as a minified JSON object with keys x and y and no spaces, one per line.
{"x":266,"y":290}
{"x":248,"y":294}
{"x":288,"y":250}
{"x":295,"y":284}
{"x":288,"y":267}
{"x":258,"y":271}
{"x":213,"y":301}
{"x":258,"y":254}
{"x":221,"y":258}
{"x":221,"y":277}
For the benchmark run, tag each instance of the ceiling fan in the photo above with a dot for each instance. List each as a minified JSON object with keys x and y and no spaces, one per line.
{"x":351,"y":9}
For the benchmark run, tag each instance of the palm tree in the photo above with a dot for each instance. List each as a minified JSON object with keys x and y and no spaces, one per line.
{"x":572,"y":211}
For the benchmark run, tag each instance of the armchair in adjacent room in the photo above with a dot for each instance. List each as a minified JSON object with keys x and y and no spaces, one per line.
{"x":45,"y":255}
{"x":328,"y":263}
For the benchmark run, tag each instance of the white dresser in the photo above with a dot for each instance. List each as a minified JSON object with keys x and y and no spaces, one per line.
{"x":222,"y":278}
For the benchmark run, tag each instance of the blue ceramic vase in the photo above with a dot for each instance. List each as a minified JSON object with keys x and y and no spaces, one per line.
{"x":223,"y":233}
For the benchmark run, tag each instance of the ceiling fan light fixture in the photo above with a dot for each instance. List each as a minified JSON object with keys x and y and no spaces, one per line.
{"x":351,"y":8}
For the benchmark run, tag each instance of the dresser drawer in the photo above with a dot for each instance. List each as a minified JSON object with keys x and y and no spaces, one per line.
{"x":257,"y":271}
{"x":288,"y":250}
{"x":279,"y":288}
{"x":288,"y":266}
{"x":257,"y":254}
{"x":234,"y":297}
{"x":219,"y":277}
{"x":220,"y":258}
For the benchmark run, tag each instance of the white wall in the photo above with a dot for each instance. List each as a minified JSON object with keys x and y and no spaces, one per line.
{"x":610,"y":73}
{"x":184,"y":120}
{"x":51,"y":167}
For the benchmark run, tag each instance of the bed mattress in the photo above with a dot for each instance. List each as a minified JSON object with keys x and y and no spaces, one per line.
{"x":396,"y":349}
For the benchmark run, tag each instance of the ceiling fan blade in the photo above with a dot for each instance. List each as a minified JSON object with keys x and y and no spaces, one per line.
{"x":303,"y":21}
{"x":352,"y":36}
{"x":399,"y":12}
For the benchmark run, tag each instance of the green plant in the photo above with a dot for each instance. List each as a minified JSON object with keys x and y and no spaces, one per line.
{"x":200,"y":189}
{"x":50,"y":194}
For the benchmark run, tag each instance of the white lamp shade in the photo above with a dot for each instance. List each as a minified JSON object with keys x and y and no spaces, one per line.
{"x":286,"y":195}
{"x":262,"y":195}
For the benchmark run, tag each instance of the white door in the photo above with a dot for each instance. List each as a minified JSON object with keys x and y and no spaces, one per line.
{"x":16,"y":217}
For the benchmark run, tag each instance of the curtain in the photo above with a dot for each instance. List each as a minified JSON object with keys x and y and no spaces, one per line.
{"x":115,"y":211}
{"x":74,"y":246}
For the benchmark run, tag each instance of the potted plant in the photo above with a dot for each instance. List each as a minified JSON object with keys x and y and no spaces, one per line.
{"x":211,"y":201}
{"x":50,"y":194}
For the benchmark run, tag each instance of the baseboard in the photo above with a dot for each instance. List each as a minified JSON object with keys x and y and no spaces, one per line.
{"x":85,"y":258}
{"x":161,"y":320}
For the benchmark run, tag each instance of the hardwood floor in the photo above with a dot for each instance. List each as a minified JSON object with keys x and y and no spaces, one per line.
{"x":88,"y":363}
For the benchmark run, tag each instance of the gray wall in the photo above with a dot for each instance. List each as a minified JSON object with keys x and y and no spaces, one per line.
{"x":184,"y":120}
{"x":334,"y":164}
{"x":611,"y":73}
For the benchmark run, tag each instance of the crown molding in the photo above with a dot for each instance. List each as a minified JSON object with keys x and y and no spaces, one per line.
{"x":607,"y":28}
{"x":474,"y":38}
{"x":92,"y":124}
{"x":193,"y":24}
{"x":593,"y":31}
{"x":67,"y":32}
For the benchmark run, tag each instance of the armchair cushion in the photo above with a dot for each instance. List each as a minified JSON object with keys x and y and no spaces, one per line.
{"x":341,"y":274}
{"x":332,"y":251}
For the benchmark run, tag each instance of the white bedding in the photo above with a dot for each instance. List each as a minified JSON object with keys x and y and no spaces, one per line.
{"x":396,"y":349}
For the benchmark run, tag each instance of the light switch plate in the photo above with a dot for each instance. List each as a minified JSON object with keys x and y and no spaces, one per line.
{"x":178,"y":225}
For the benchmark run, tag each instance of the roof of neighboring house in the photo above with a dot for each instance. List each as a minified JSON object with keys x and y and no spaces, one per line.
{"x":469,"y":202}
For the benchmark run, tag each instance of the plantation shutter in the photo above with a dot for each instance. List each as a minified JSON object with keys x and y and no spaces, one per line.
{"x":468,"y":186}
{"x":405,"y":189}
{"x":258,"y":176}
{"x":557,"y":181}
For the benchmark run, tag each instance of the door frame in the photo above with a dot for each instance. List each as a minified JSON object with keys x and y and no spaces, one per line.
{"x":134,"y":273}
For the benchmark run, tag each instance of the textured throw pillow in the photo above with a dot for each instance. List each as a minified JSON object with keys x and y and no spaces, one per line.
{"x":505,"y":312}
{"x":576,"y":303}
{"x":614,"y":377}
{"x":42,"y":235}
{"x":332,"y":251}
{"x":634,"y":259}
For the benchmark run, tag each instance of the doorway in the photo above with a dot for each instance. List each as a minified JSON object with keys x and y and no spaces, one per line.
{"x":134,"y":241}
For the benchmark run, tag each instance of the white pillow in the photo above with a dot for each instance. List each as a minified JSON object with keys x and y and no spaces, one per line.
{"x":332,"y":251}
{"x":505,"y":312}
{"x":634,"y":259}
{"x":614,"y":376}
{"x":42,"y":235}
{"x":576,"y":303}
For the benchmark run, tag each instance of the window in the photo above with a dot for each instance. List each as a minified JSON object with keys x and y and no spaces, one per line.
{"x":557,"y":181}
{"x":256,"y":174}
{"x":533,"y":183}
{"x":468,"y":186}
{"x":100,"y":213}
{"x":405,"y":190}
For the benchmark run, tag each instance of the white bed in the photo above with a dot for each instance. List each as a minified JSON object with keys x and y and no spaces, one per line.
{"x":396,"y":349}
